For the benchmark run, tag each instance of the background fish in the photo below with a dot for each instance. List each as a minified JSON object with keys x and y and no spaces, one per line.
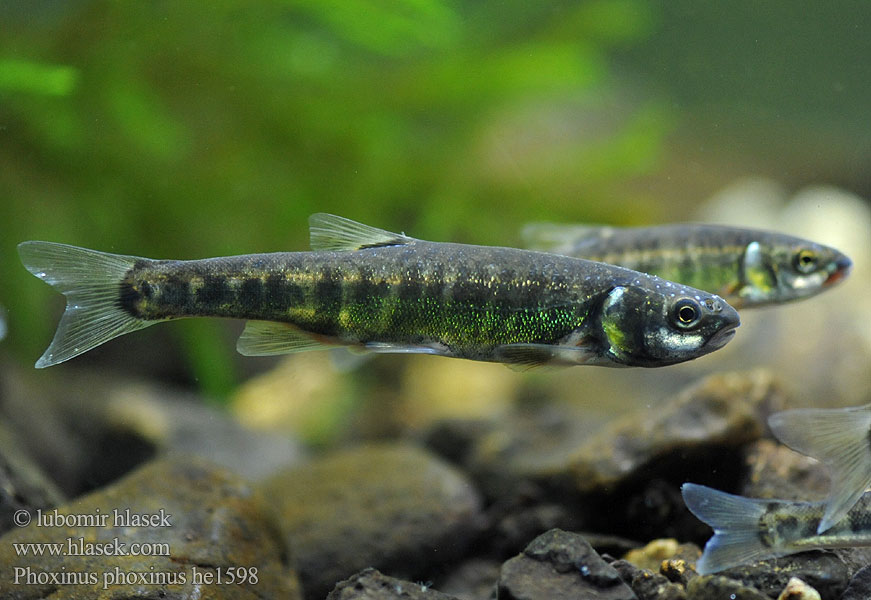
{"x":747,"y":267}
{"x":840,"y":438}
{"x":752,"y":529}
{"x":386,"y":292}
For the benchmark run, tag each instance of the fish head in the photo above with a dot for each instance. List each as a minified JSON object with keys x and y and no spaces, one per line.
{"x":788,"y":270}
{"x":649,"y":327}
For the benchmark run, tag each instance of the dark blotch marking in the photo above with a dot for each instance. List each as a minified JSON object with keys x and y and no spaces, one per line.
{"x":469,"y":293}
{"x":251,"y":294}
{"x":175,"y":292}
{"x":411,"y":287}
{"x":281,"y":294}
{"x":214,"y":292}
{"x":434,"y":286}
{"x":129,"y":296}
{"x":365,"y":290}
{"x":328,"y":291}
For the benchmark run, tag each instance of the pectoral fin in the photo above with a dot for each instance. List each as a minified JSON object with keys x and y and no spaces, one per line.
{"x":522,"y":357}
{"x":329,"y":232}
{"x":268,"y":338}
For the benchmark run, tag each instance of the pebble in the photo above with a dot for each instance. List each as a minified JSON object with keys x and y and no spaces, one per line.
{"x":394,"y":507}
{"x":796,"y":589}
{"x":371,"y":584}
{"x":560,"y":565}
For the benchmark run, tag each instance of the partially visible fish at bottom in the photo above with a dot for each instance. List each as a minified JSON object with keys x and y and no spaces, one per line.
{"x":747,"y":530}
{"x":840,"y":438}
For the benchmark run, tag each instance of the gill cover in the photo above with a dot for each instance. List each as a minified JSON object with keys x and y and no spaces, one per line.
{"x":624,"y":313}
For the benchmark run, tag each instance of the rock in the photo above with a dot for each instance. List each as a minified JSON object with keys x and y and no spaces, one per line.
{"x":557,"y":565}
{"x":717,"y":587}
{"x":205,"y":523}
{"x":394,"y":507}
{"x":826,"y":572}
{"x":720,"y":411}
{"x":474,"y":579}
{"x":775,"y":471}
{"x":370,"y":584}
{"x":23,"y":485}
{"x":859,"y":587}
{"x":171,"y":421}
{"x":648,"y":585}
{"x":56,"y":425}
{"x":796,"y":589}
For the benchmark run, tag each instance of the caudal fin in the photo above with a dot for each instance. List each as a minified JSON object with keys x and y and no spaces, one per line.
{"x":90,"y":280}
{"x":840,"y":438}
{"x":735,"y":521}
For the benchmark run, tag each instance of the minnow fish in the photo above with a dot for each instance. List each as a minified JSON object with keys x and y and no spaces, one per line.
{"x":747,"y":267}
{"x":840,"y":438}
{"x":374,"y":290}
{"x":752,"y":529}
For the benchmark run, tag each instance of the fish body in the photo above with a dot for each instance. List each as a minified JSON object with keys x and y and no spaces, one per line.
{"x":752,"y":529}
{"x":747,"y":267}
{"x":379,"y":291}
{"x":840,"y":438}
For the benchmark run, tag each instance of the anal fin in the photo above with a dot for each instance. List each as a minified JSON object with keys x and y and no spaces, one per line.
{"x":268,"y":338}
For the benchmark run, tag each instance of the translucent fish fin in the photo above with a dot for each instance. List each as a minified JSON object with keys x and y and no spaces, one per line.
{"x":91,"y":281}
{"x":387,"y":348}
{"x":735,"y":521}
{"x":268,"y":338}
{"x":329,"y":232}
{"x":839,"y":438}
{"x":552,"y":237}
{"x":523,"y":357}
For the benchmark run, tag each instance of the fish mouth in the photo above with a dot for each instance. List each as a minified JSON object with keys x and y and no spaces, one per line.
{"x":719,"y":339}
{"x":842,"y":269}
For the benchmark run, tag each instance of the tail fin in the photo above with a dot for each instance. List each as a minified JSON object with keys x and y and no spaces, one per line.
{"x":90,"y":280}
{"x":735,"y":521}
{"x":840,"y":438}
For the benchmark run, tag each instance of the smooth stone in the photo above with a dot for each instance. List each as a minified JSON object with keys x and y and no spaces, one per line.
{"x":208,"y":519}
{"x":557,"y":565}
{"x":371,"y":584}
{"x":394,"y":507}
{"x":172,"y":421}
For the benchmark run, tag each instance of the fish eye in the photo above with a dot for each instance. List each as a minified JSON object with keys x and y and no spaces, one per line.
{"x":805,"y":260}
{"x":687,"y":312}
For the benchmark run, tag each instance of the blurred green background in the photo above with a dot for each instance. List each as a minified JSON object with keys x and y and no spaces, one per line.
{"x":194,"y":129}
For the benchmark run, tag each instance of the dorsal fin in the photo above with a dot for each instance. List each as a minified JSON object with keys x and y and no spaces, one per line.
{"x":329,"y":232}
